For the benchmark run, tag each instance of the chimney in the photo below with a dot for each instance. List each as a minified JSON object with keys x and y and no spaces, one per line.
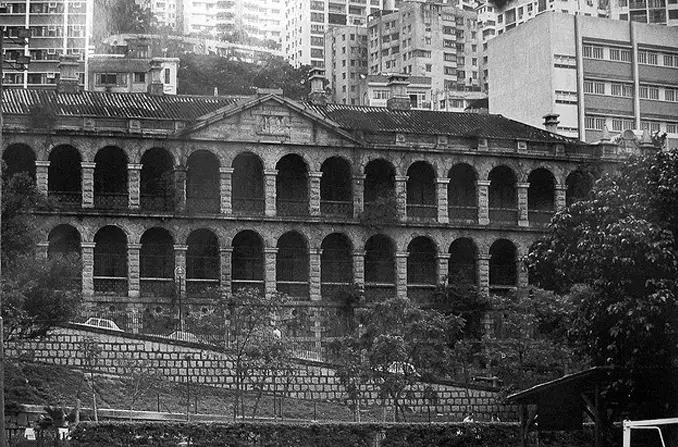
{"x":551,"y":122}
{"x":155,"y":88}
{"x":389,"y":5}
{"x":68,"y":75}
{"x":317,"y":95}
{"x":397,"y":85}
{"x":646,"y":143}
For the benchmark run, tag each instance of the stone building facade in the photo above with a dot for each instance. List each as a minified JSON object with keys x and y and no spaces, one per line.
{"x":303,"y":198}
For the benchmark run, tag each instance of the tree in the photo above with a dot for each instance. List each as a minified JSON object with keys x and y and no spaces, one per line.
{"x":399,"y":344}
{"x":38,"y":292}
{"x":118,"y":17}
{"x":621,"y":246}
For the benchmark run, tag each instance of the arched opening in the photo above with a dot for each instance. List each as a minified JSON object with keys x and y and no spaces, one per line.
{"x":462,"y":197}
{"x":292,"y":186}
{"x":64,"y":176}
{"x":379,"y":268}
{"x":541,"y":196}
{"x":336,"y":264}
{"x":248,"y":184}
{"x":579,"y":185}
{"x":291,"y":267}
{"x":379,"y":182}
{"x":156,"y":266}
{"x":157,"y":180}
{"x":503,"y":197}
{"x":336,"y":197}
{"x":110,"y":179}
{"x":19,"y":158}
{"x":462,"y":264}
{"x":110,"y":261}
{"x":64,"y":241}
{"x":421,"y":269}
{"x":421,"y":192}
{"x":503,"y":267}
{"x":202,"y":183}
{"x":247,"y":264}
{"x":202,"y":262}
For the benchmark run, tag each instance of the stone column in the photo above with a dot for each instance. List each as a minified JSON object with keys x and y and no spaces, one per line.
{"x":483,"y":273}
{"x":483,"y":192}
{"x":226,"y":190}
{"x":443,"y":212}
{"x":401,"y":196}
{"x":561,"y":197}
{"x":269,"y":270}
{"x":134,"y":186}
{"x":523,"y":216}
{"x":314,"y":273}
{"x":180,"y":188}
{"x":43,"y":249}
{"x":521,"y":270}
{"x":42,"y":177}
{"x":443,"y":267}
{"x":133,"y":270}
{"x":87,"y":253}
{"x":359,"y":267}
{"x":180,"y":260}
{"x":270,"y":192}
{"x":87,"y":184}
{"x":401,"y":273}
{"x":358,"y":185}
{"x":225,"y":267}
{"x":314,"y":192}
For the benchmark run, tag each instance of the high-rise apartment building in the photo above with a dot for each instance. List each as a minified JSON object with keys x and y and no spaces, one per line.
{"x":57,"y":27}
{"x":306,"y":22}
{"x":168,"y":13}
{"x":595,"y":73}
{"x":346,"y":61}
{"x":659,"y":12}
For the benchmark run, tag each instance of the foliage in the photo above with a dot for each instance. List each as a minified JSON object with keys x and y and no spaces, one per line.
{"x":460,"y":296}
{"x":120,"y":17}
{"x":529,"y":345}
{"x":201,"y":74}
{"x":621,"y":244}
{"x":398,"y":344}
{"x":140,"y":377}
{"x":38,"y":292}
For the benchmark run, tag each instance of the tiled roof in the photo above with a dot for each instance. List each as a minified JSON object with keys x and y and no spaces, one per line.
{"x":426,"y":122}
{"x":102,"y":104}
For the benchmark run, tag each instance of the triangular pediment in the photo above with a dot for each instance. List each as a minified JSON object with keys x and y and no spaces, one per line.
{"x":266,"y":119}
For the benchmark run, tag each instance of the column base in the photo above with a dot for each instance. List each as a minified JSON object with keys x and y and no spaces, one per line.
{"x":523,"y":223}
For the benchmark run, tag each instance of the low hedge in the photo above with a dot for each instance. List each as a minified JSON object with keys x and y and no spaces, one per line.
{"x":278,"y":434}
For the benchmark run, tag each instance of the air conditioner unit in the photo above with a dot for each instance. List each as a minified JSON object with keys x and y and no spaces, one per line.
{"x":51,"y":75}
{"x":51,"y":51}
{"x":52,"y":5}
{"x":51,"y":27}
{"x":75,"y":51}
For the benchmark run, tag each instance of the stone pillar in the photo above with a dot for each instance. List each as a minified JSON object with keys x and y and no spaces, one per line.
{"x":401,"y":196}
{"x":443,"y":267}
{"x":134,"y":186}
{"x":314,"y":192}
{"x":401,"y":273}
{"x":225,"y":267}
{"x":561,"y":197}
{"x":43,"y":249}
{"x":443,"y":212}
{"x":270,"y":192}
{"x":523,"y":216}
{"x":483,"y":191}
{"x":180,"y":188}
{"x":521,"y":270}
{"x":87,"y":184}
{"x":133,"y":270}
{"x":358,"y":195}
{"x":269,"y":270}
{"x":359,"y":267}
{"x":483,"y":273}
{"x":314,"y":273}
{"x":42,"y":177}
{"x":226,"y":190}
{"x":180,"y":260}
{"x":87,"y":253}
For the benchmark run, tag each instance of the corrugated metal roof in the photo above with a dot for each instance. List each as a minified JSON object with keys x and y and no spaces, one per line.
{"x":426,"y":122}
{"x":102,"y":104}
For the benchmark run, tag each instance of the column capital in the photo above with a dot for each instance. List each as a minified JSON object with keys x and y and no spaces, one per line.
{"x":270,"y":172}
{"x":87,"y":245}
{"x":401,"y":254}
{"x":443,"y":180}
{"x":443,"y":255}
{"x":359,"y":177}
{"x":360,"y":253}
{"x":401,"y":178}
{"x":315,"y":251}
{"x":225,"y":249}
{"x":180,"y":168}
{"x":41,"y":164}
{"x":561,"y":187}
{"x":134,"y":166}
{"x":524,"y":185}
{"x":483,"y":183}
{"x":134,"y":246}
{"x":483,"y":257}
{"x":180,"y":247}
{"x":226,"y":170}
{"x":268,"y":251}
{"x":315,"y":174}
{"x":87,"y":165}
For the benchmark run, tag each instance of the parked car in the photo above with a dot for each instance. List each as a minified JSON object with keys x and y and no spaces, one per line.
{"x":184,"y":336}
{"x":102,"y":323}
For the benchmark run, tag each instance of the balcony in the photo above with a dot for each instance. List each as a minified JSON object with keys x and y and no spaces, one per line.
{"x":292,"y":207}
{"x":540,"y":218}
{"x":197,"y":288}
{"x":238,"y":284}
{"x":110,"y":285}
{"x":110,"y":201}
{"x":336,"y":208}
{"x":294,"y":289}
{"x":157,"y":287}
{"x":504,"y":215}
{"x":66,"y":199}
{"x":375,"y":292}
{"x":157,"y":203}
{"x":463,"y":213}
{"x":203,"y":204}
{"x":422,"y":212}
{"x":248,"y":206}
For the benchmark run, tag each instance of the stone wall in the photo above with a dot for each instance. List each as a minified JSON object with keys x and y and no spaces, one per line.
{"x":178,"y":361}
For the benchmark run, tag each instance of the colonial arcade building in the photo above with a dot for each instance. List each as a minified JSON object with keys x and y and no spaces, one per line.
{"x":302,"y":198}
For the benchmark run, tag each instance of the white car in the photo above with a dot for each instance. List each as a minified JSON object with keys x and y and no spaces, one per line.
{"x":102,"y":323}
